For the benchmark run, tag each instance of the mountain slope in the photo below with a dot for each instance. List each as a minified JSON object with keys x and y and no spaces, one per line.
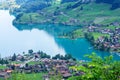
{"x":68,"y":13}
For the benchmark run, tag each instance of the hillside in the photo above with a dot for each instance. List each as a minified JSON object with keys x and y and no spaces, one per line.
{"x":67,"y":13}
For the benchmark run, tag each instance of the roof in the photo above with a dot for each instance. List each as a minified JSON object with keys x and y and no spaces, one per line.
{"x":9,"y":71}
{"x":66,"y":75}
{"x":2,"y":74}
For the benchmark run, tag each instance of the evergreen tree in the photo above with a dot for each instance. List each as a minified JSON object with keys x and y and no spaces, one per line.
{"x":14,"y":57}
{"x":30,"y":51}
{"x":22,"y":59}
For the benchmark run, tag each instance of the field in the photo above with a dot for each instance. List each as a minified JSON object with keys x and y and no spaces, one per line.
{"x":33,"y":76}
{"x":2,"y":67}
{"x":97,"y":35}
{"x":33,"y":63}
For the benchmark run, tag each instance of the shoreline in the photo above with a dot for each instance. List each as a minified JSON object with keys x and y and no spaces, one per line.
{"x":69,"y":36}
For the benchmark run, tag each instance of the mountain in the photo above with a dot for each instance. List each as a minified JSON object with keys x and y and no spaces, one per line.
{"x":68,"y":12}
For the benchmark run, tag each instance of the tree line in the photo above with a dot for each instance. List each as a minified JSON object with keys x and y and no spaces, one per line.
{"x":115,"y":3}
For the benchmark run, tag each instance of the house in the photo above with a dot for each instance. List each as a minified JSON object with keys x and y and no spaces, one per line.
{"x":4,"y":75}
{"x":46,"y":77}
{"x":66,"y":75}
{"x":28,"y":70}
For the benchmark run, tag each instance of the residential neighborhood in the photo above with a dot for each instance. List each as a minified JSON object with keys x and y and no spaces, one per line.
{"x":34,"y":63}
{"x":107,"y":37}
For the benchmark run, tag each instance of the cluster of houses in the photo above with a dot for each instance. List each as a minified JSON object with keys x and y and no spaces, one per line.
{"x":60,"y":67}
{"x":52,"y":66}
{"x":111,"y":41}
{"x":6,"y":73}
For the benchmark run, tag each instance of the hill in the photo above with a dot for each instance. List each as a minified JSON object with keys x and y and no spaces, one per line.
{"x":68,"y":13}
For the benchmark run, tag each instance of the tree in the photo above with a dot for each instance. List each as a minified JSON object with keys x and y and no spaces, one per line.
{"x":68,"y":56}
{"x":58,"y":56}
{"x":30,"y":51}
{"x":81,"y":8}
{"x":6,"y":62}
{"x":89,"y":37}
{"x":22,"y":59}
{"x":26,"y":65}
{"x":98,"y":69}
{"x":44,"y":55}
{"x":2,"y":61}
{"x":14,"y":57}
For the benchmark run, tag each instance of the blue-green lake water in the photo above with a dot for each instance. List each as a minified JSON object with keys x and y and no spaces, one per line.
{"x":45,"y":37}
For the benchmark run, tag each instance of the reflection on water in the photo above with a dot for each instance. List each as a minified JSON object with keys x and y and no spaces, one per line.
{"x":52,"y":29}
{"x":14,"y":41}
{"x":19,"y":38}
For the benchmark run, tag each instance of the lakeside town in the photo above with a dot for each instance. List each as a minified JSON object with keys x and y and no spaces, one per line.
{"x":104,"y":37}
{"x":40,"y":66}
{"x":40,"y":62}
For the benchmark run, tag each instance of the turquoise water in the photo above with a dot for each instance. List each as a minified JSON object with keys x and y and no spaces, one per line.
{"x":45,"y":37}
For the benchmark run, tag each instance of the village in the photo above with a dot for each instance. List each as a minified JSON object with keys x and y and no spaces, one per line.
{"x":40,"y":63}
{"x":106,"y":37}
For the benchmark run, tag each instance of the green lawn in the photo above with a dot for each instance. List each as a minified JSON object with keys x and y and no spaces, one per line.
{"x":34,"y":62}
{"x":33,"y":76}
{"x":79,"y":33}
{"x":16,"y":62}
{"x":31,"y":18}
{"x":97,"y":35}
{"x":2,"y":67}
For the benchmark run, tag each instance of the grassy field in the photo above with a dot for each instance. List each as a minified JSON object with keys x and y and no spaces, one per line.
{"x":97,"y":35}
{"x":2,"y":67}
{"x":34,"y":62}
{"x":33,"y":76}
{"x":30,"y":17}
{"x":78,"y":33}
{"x":16,"y":62}
{"x":97,"y":13}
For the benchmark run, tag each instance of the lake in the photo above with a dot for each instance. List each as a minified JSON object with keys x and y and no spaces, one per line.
{"x":44,"y":37}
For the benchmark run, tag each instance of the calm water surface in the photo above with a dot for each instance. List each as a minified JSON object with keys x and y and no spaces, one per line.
{"x":20,"y":38}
